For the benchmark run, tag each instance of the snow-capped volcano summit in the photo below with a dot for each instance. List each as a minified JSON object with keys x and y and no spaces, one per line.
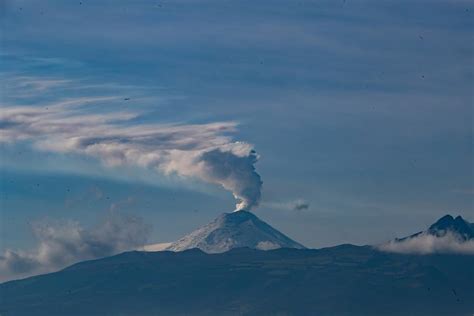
{"x":234,"y":230}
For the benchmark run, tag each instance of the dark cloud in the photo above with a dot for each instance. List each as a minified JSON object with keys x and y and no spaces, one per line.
{"x":300,"y":205}
{"x":292,"y":205}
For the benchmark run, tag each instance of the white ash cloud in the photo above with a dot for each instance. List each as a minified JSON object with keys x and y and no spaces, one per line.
{"x":425,"y":243}
{"x":61,"y":243}
{"x":202,"y":151}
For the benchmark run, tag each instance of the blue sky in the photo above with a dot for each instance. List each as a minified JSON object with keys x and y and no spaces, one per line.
{"x":362,"y":109}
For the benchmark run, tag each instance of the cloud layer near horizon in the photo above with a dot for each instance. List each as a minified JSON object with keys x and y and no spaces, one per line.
{"x":424,"y":244}
{"x":202,"y":151}
{"x":61,"y":243}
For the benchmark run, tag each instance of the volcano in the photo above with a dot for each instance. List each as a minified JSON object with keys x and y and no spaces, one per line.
{"x":235,"y":230}
{"x":341,"y":280}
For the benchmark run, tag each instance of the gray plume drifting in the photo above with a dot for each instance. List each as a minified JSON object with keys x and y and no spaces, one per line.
{"x":292,"y":205}
{"x":236,"y":174}
{"x":301,"y":205}
{"x":201,"y":151}
{"x":61,"y":243}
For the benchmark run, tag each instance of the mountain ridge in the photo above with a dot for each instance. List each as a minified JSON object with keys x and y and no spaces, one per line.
{"x":343,"y":280}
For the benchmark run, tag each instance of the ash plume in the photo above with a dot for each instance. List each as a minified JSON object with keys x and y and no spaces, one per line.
{"x":202,"y":151}
{"x":235,"y":173}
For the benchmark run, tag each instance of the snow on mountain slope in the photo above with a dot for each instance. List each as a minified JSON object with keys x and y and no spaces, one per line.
{"x":234,"y":230}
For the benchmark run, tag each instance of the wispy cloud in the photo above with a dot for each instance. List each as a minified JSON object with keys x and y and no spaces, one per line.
{"x":61,"y":243}
{"x":293,"y":205}
{"x":202,"y":151}
{"x":31,"y":85}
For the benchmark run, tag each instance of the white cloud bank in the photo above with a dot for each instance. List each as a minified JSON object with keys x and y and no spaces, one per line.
{"x":61,"y":243}
{"x":202,"y":151}
{"x":425,"y":243}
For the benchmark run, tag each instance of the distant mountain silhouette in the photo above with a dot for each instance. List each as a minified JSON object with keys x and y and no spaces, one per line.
{"x":235,"y":230}
{"x":344,"y":280}
{"x":458,"y":227}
